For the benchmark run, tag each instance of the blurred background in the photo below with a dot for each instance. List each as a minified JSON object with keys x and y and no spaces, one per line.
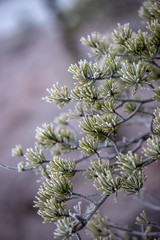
{"x":39,"y":39}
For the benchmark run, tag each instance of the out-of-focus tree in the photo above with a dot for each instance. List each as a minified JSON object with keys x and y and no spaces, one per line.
{"x":81,"y":15}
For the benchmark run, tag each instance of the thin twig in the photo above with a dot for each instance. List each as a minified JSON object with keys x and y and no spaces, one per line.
{"x":119,"y":115}
{"x":135,"y":233}
{"x":155,"y":64}
{"x":131,"y":115}
{"x":84,"y":197}
{"x":115,"y":147}
{"x":103,"y":199}
{"x":139,"y":144}
{"x":148,"y":161}
{"x":82,"y":159}
{"x":15,"y":168}
{"x":147,"y":204}
{"x":8,"y":167}
{"x":134,"y":100}
{"x":78,"y":236}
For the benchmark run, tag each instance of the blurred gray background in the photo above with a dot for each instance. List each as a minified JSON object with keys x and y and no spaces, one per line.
{"x":39,"y":39}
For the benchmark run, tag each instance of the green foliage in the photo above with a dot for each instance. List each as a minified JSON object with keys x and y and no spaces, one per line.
{"x":154,"y":27}
{"x":51,"y":210}
{"x":156,"y":121}
{"x":109,"y":89}
{"x":85,"y":93}
{"x":64,"y":167}
{"x":62,"y":119}
{"x":153,"y":148}
{"x":111,"y":64}
{"x":21,"y":166}
{"x":35,"y":157}
{"x":106,"y":88}
{"x":57,"y":185}
{"x":109,"y":106}
{"x":143,"y":219}
{"x":129,"y":163}
{"x":131,"y":169}
{"x":98,"y":226}
{"x":79,"y":112}
{"x":89,"y":145}
{"x":107,"y":183}
{"x":84,"y":72}
{"x":61,"y":137}
{"x":130,"y":107}
{"x":100,"y":126}
{"x":59,"y":95}
{"x":157,"y":95}
{"x":134,"y":183}
{"x":97,"y":168}
{"x":64,"y":228}
{"x":122,"y":34}
{"x":17,"y":151}
{"x":134,"y":75}
{"x":46,"y":136}
{"x":99,"y":45}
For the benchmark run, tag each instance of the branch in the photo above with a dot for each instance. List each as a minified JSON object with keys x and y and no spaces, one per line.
{"x":139,"y":144}
{"x":15,"y":168}
{"x":112,"y":75}
{"x":146,"y":203}
{"x":135,"y":233}
{"x":78,"y":236}
{"x":134,"y":100}
{"x":115,"y":147}
{"x":84,"y":197}
{"x":82,"y":159}
{"x":148,"y":161}
{"x":154,"y":64}
{"x":103,"y":199}
{"x":130,"y":116}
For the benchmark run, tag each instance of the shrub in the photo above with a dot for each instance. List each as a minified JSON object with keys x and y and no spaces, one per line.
{"x":109,"y":101}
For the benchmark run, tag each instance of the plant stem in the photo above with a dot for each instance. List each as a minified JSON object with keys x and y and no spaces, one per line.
{"x":84,"y":197}
{"x":15,"y":168}
{"x":98,"y":204}
{"x":135,"y":233}
{"x":78,"y":236}
{"x":131,"y":115}
{"x":134,"y":100}
{"x":147,"y":204}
